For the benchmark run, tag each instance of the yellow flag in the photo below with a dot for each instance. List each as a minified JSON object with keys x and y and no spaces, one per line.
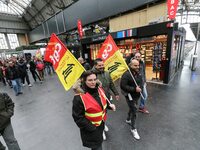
{"x":65,"y":64}
{"x":69,"y":70}
{"x":116,"y":65}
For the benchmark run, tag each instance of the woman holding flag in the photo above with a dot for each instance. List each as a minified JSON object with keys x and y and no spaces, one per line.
{"x":89,"y":111}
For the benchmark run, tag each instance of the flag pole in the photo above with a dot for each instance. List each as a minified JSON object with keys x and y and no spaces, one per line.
{"x":105,"y":96}
{"x":135,"y":81}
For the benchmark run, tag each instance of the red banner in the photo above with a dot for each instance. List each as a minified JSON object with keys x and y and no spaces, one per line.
{"x":172,"y":8}
{"x":80,"y":29}
{"x":107,"y":49}
{"x":55,"y":51}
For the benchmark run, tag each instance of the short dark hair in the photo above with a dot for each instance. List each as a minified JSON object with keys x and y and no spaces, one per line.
{"x":97,"y":60}
{"x":86,"y":74}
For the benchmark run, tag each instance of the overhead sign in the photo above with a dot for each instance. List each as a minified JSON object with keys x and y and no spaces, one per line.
{"x":172,"y":8}
{"x":80,"y":28}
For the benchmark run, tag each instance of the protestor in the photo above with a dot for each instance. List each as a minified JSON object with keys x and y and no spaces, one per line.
{"x":24,"y":74}
{"x":6,"y":130}
{"x":89,"y":111}
{"x":40,"y":68}
{"x":84,"y":63}
{"x":143,"y":99}
{"x":132,"y":93}
{"x":32,"y":69}
{"x":107,"y":83}
{"x":13,"y":74}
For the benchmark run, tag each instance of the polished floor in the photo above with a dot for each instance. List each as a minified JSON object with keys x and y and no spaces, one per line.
{"x":43,"y":119}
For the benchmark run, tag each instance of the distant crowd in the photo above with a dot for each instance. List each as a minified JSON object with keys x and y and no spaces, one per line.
{"x":14,"y":71}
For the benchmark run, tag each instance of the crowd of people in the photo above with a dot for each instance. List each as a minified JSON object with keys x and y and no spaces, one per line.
{"x":14,"y":71}
{"x":92,"y":95}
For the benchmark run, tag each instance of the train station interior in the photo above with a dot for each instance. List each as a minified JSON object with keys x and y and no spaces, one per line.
{"x":169,"y":48}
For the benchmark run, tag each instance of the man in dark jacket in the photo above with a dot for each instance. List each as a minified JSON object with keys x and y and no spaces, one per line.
{"x":143,"y":99}
{"x":24,"y":74}
{"x":33,"y":70}
{"x":6,"y":130}
{"x":14,"y":74}
{"x":131,"y":91}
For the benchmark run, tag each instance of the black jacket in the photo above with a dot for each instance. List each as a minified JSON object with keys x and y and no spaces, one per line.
{"x":127,"y":84}
{"x":6,"y":110}
{"x":13,"y":72}
{"x":90,"y":134}
{"x":23,"y":68}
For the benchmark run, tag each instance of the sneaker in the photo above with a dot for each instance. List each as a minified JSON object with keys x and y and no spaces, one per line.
{"x":128,"y":121}
{"x":106,"y":128}
{"x":23,"y":84}
{"x":143,"y":110}
{"x":20,"y":93}
{"x":29,"y":85}
{"x":104,"y":136}
{"x":135,"y":134}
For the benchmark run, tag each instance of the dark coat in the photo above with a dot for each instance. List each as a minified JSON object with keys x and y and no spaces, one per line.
{"x":13,"y":72}
{"x":23,"y":69}
{"x":127,"y":84}
{"x":90,"y":134}
{"x":6,"y":110}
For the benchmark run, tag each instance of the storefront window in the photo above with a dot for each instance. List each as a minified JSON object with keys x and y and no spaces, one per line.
{"x":94,"y":48}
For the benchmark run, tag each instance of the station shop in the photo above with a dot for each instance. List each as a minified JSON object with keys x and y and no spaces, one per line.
{"x":161,"y":46}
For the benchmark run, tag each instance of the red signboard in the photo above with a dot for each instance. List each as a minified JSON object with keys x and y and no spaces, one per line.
{"x":80,"y":29}
{"x":172,"y":8}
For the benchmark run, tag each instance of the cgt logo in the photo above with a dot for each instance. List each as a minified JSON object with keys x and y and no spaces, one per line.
{"x":107,"y":50}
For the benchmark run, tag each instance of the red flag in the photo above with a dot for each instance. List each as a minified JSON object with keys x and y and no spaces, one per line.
{"x":80,"y":29}
{"x":107,"y":49}
{"x":172,"y":8}
{"x":55,"y":51}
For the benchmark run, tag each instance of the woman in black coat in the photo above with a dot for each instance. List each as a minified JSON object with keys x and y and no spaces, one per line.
{"x":91,"y":134}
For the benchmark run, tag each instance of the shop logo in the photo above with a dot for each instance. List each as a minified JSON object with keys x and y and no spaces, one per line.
{"x":172,"y":8}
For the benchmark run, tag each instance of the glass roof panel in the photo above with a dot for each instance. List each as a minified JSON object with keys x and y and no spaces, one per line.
{"x":14,"y":7}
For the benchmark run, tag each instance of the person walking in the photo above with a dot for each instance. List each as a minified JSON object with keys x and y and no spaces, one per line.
{"x":131,"y":91}
{"x":6,"y":130}
{"x":24,"y":74}
{"x":107,"y":83}
{"x":32,"y":69}
{"x":13,"y":74}
{"x":142,"y":107}
{"x":89,"y":111}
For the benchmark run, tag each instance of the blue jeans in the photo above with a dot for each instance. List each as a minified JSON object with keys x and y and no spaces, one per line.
{"x":143,"y":100}
{"x":9,"y":138}
{"x":16,"y":83}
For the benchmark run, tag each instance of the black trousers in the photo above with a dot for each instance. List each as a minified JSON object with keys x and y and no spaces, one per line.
{"x":132,"y":104}
{"x":35,"y":74}
{"x":27,"y":79}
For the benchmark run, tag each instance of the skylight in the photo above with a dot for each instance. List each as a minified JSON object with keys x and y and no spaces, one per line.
{"x":14,"y":7}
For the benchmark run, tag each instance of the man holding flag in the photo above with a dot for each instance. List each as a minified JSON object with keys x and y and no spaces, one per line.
{"x":131,"y":86}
